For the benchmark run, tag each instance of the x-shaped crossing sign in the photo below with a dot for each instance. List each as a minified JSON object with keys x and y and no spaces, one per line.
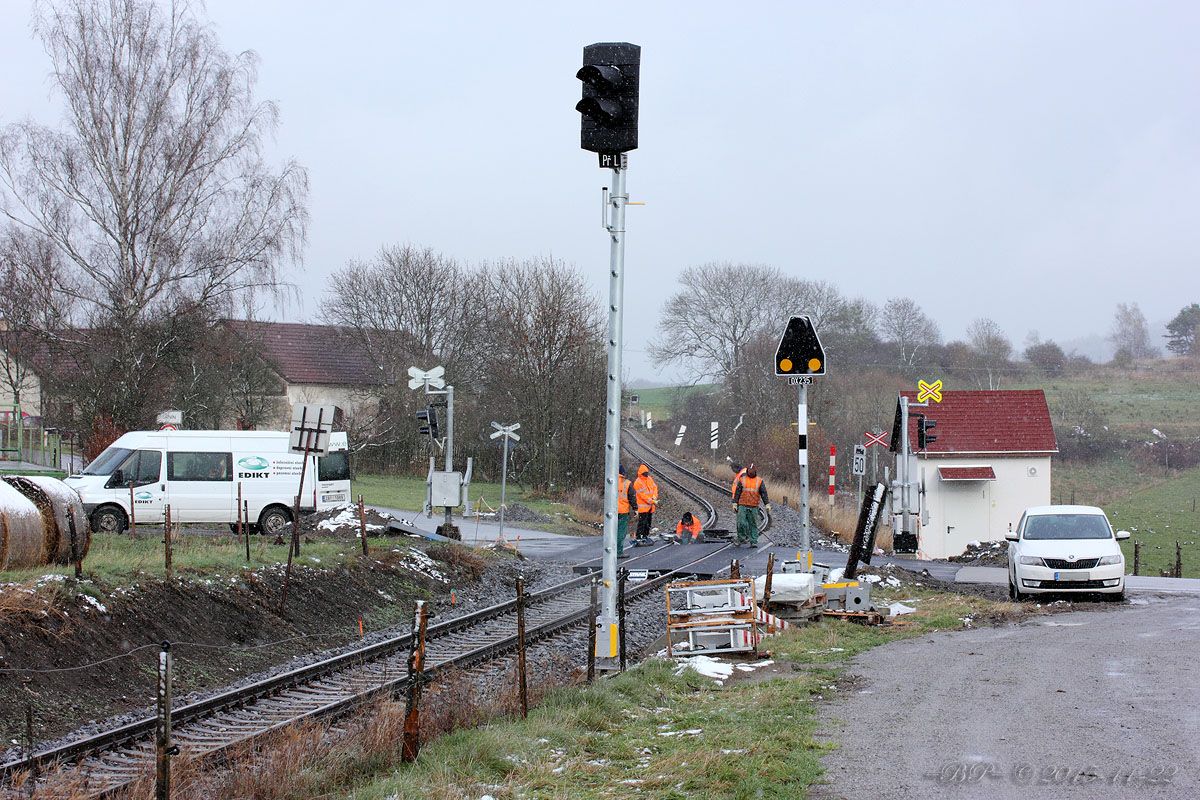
{"x":873,"y":439}
{"x":929,"y":392}
{"x":507,"y":431}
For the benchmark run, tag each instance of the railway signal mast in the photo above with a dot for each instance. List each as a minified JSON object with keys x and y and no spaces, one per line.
{"x":609,"y":109}
{"x":799,"y":358}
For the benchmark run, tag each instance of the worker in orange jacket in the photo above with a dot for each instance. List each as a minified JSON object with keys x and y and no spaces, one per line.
{"x":748,"y":495}
{"x":626,"y":500}
{"x":647,"y":500}
{"x":738,"y":472}
{"x":688,"y":529}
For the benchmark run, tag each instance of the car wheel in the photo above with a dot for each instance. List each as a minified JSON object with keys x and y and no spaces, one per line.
{"x":274,"y":520}
{"x":1017,"y":594}
{"x":1012,"y":589}
{"x":109,"y":519}
{"x":1117,"y":597}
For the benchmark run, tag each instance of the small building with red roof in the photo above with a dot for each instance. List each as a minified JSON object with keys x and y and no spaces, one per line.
{"x":990,"y":461}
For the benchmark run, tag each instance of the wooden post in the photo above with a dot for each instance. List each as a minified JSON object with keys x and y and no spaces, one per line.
{"x":295,"y":544}
{"x":622,"y":575}
{"x":1137,"y":557}
{"x":416,"y":664}
{"x":163,"y":749}
{"x":167,"y":538}
{"x":522,"y":686}
{"x":362,"y":523}
{"x":593,"y":612}
{"x":29,"y":748}
{"x":1178,"y":560}
{"x":735,"y":569}
{"x":767,"y":580}
{"x":132,"y":514}
{"x":75,"y":555}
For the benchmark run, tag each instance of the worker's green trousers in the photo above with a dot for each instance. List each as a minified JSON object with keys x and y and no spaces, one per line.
{"x":747,"y":524}
{"x":622,"y":532}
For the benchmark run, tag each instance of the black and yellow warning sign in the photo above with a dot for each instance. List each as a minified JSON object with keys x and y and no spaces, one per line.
{"x":800,"y":351}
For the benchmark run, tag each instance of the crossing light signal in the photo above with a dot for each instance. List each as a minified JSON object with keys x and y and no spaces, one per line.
{"x":429,"y":422}
{"x":924,"y":437}
{"x":610,"y":75}
{"x":800,"y":351}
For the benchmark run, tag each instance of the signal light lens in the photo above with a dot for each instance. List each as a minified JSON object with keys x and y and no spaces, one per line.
{"x":785,"y":365}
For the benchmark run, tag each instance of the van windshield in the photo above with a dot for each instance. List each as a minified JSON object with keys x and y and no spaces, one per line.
{"x":1067,"y":526}
{"x":107,"y":461}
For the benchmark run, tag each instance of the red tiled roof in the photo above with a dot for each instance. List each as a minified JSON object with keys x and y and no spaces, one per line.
{"x":1004,"y":422}
{"x":966,"y":473}
{"x":315,"y":354}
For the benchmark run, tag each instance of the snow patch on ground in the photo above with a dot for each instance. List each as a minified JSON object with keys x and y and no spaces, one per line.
{"x":719,"y":671}
{"x":94,"y":603}
{"x":417,"y":561}
{"x":347,"y":516}
{"x":896,"y":609}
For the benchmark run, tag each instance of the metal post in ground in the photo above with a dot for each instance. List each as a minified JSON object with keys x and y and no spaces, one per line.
{"x":167,"y":538}
{"x":503,"y":485}
{"x":622,"y":576}
{"x":76,"y":556}
{"x":362,"y":523}
{"x":522,"y":686}
{"x":1137,"y":557}
{"x":592,"y":614}
{"x":163,"y":748}
{"x":416,"y":665}
{"x":614,"y":222}
{"x":448,"y":530}
{"x":1178,"y":560}
{"x":802,"y":456}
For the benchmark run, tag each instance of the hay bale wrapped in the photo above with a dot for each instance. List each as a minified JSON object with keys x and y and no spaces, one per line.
{"x":22,"y":530}
{"x":64,"y":503}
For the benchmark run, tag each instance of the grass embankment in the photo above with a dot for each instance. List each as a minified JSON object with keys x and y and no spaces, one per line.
{"x":1158,"y":517}
{"x":118,"y":558}
{"x":407,"y":493}
{"x":650,"y":732}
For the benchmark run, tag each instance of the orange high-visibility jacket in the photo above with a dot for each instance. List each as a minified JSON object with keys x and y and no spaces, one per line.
{"x":736,"y":478}
{"x":646,"y":489}
{"x":682,"y":530}
{"x":623,"y":494}
{"x":750,"y":491}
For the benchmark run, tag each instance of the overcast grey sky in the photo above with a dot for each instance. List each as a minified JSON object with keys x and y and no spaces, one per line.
{"x":1035,"y":162}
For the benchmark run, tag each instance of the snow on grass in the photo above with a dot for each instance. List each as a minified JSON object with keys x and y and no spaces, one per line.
{"x":94,"y":603}
{"x":347,"y":517}
{"x":417,"y":561}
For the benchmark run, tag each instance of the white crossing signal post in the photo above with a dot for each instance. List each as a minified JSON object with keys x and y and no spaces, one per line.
{"x":509,"y":434}
{"x":434,"y":382}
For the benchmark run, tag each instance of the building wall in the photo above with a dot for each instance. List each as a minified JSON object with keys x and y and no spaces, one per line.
{"x":30,"y":388}
{"x":979,"y":511}
{"x":351,"y":400}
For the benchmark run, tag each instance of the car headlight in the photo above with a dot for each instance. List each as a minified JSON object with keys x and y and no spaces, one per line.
{"x":1117,"y":559}
{"x":1032,"y":561}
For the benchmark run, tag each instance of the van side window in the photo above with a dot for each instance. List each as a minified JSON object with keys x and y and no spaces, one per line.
{"x":200,"y":466}
{"x":149,"y":468}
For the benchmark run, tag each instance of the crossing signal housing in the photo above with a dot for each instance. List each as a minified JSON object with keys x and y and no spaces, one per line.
{"x":609,"y":107}
{"x":429,"y":422}
{"x":924,"y":437}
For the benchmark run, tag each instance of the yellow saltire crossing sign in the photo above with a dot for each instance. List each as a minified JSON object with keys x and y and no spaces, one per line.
{"x":931,"y":392}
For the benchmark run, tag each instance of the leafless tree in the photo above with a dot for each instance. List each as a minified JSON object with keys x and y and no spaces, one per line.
{"x":1130,"y":334}
{"x":991,"y":350}
{"x":156,"y":196}
{"x":907,"y":327}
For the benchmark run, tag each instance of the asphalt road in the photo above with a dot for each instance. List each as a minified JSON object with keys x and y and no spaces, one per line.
{"x":1089,"y":704}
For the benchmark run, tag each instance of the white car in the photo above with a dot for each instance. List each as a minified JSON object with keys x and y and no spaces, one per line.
{"x":1065,"y":549}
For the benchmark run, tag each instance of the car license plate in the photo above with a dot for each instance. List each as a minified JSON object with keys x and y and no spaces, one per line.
{"x":1071,"y":575}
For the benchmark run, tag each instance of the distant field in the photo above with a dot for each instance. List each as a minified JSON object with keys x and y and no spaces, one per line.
{"x":659,"y":401}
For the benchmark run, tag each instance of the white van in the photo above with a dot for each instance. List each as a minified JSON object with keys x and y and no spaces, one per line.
{"x":198,"y":474}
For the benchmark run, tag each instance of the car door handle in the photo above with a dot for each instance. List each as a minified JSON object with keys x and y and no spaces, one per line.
{"x":162,"y":487}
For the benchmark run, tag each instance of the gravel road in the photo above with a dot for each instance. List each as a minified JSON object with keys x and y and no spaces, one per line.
{"x":1080,"y":705}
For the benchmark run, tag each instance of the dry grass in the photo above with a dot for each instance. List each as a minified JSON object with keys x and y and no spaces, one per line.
{"x":463,"y":560}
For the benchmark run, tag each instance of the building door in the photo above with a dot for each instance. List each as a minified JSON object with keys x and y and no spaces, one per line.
{"x":966,"y":513}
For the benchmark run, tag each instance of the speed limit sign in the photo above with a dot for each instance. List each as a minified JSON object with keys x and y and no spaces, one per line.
{"x":860,"y":460}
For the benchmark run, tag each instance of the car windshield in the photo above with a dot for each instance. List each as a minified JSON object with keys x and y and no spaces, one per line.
{"x":1067,"y":526}
{"x":107,"y":461}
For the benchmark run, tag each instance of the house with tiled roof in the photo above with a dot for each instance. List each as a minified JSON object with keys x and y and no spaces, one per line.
{"x":313,"y":364}
{"x":991,"y":460}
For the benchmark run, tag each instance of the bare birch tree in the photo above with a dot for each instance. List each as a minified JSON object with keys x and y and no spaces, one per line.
{"x":155,"y":196}
{"x":907,"y":327}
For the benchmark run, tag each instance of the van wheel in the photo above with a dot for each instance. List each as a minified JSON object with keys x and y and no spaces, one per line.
{"x":109,"y":519}
{"x":274,"y":520}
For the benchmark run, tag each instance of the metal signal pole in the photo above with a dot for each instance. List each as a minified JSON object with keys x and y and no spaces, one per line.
{"x":606,"y":643}
{"x":802,"y":431}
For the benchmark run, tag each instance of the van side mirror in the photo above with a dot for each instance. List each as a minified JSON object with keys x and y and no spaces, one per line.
{"x":1122,"y":535}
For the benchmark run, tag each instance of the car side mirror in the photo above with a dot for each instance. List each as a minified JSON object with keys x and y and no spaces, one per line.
{"x":1122,"y":535}
{"x":1011,"y":536}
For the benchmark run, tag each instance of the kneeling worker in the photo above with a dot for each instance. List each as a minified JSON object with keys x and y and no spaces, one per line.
{"x":749,"y":493}
{"x":688,"y":528}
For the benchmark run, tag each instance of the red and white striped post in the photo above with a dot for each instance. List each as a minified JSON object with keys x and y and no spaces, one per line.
{"x":832,"y":473}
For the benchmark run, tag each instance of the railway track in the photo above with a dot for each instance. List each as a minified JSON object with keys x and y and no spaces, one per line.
{"x":208,"y":729}
{"x":685,"y":480}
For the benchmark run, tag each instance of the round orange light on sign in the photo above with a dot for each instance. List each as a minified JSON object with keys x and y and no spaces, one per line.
{"x":814,"y":364}
{"x":785,"y":365}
